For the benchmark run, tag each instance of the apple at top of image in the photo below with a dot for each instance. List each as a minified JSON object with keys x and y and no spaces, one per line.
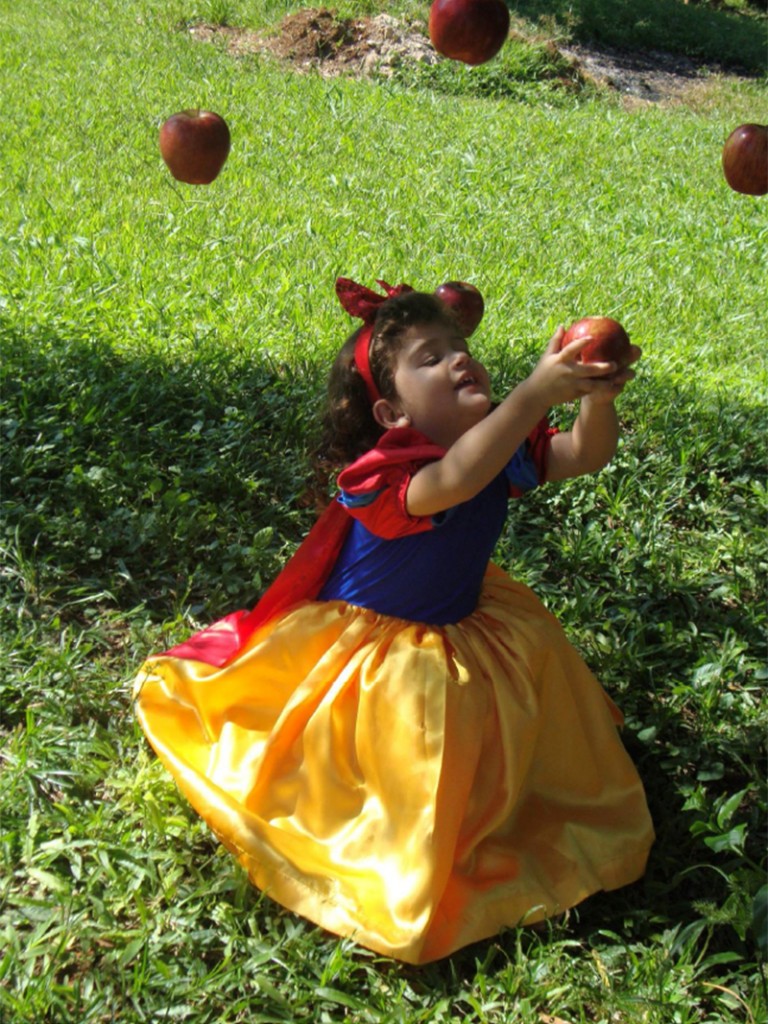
{"x":471,"y":31}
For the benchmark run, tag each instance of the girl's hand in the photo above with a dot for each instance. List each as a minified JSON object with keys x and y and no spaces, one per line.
{"x":559,"y":377}
{"x":612,"y":384}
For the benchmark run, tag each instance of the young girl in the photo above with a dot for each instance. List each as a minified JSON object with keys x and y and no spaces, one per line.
{"x":398,"y":742}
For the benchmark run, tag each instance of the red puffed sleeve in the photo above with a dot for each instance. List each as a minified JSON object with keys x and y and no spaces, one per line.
{"x":373,"y":488}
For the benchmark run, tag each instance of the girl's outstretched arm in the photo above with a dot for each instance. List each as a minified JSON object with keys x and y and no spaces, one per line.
{"x":591,"y":443}
{"x":485,"y":449}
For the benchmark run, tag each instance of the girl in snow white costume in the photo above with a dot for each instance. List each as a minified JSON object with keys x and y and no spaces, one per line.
{"x":398,"y":742}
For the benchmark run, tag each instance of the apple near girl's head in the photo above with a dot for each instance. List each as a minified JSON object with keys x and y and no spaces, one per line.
{"x":465,"y":301}
{"x":609,"y":344}
{"x":472,"y":31}
{"x":194,"y":144}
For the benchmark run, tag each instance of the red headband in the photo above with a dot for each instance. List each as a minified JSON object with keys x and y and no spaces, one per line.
{"x":360,"y":301}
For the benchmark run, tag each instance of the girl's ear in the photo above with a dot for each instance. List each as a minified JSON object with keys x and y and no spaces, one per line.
{"x":388,"y":415}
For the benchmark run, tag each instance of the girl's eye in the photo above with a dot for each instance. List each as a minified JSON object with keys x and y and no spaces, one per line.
{"x":431,"y":361}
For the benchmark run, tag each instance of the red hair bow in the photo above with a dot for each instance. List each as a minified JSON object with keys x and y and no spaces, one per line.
{"x":361,"y":302}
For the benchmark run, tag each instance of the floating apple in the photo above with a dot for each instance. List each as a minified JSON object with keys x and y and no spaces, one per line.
{"x":471,"y":31}
{"x":194,"y":145}
{"x":745,"y":159}
{"x":466,"y":302}
{"x":610,"y":342}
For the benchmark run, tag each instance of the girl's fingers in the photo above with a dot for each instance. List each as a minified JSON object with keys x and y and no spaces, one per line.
{"x":636,"y":353}
{"x":612,"y":386}
{"x":573,"y":348}
{"x":554,"y":343}
{"x":599,"y":370}
{"x":626,"y":374}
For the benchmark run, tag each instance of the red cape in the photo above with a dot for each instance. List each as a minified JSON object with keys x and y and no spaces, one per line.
{"x":307,"y":570}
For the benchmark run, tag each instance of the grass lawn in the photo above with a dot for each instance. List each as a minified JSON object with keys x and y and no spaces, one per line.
{"x":164,"y":349}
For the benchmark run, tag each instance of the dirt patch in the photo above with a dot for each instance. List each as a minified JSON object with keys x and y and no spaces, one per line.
{"x":316,"y":39}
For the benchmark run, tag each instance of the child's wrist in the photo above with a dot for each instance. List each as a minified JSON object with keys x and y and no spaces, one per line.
{"x":531,"y":399}
{"x":599,"y":399}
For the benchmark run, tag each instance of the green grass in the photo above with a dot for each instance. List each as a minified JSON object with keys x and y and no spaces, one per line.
{"x":163,"y":356}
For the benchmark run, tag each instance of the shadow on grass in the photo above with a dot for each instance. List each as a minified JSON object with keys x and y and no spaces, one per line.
{"x":157,"y":481}
{"x":695,"y":30}
{"x":653,"y":567}
{"x":166,"y":483}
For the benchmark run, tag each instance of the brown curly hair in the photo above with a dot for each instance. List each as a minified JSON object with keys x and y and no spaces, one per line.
{"x":348,"y":427}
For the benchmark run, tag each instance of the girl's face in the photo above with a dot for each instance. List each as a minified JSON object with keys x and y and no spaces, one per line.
{"x":440,"y":388}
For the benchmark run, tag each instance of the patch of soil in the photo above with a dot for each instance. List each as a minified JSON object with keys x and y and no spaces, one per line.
{"x":316,"y":39}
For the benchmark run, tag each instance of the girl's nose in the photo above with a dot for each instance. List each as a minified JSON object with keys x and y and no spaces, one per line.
{"x":460,"y":358}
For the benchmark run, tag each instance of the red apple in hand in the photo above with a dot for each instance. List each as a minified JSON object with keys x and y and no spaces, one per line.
{"x":610,"y":342}
{"x":471,"y":31}
{"x":745,"y":159}
{"x":194,"y":145}
{"x":466,"y":302}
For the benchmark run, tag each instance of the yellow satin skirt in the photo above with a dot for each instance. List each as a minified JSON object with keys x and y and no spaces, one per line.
{"x":416,"y":788}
